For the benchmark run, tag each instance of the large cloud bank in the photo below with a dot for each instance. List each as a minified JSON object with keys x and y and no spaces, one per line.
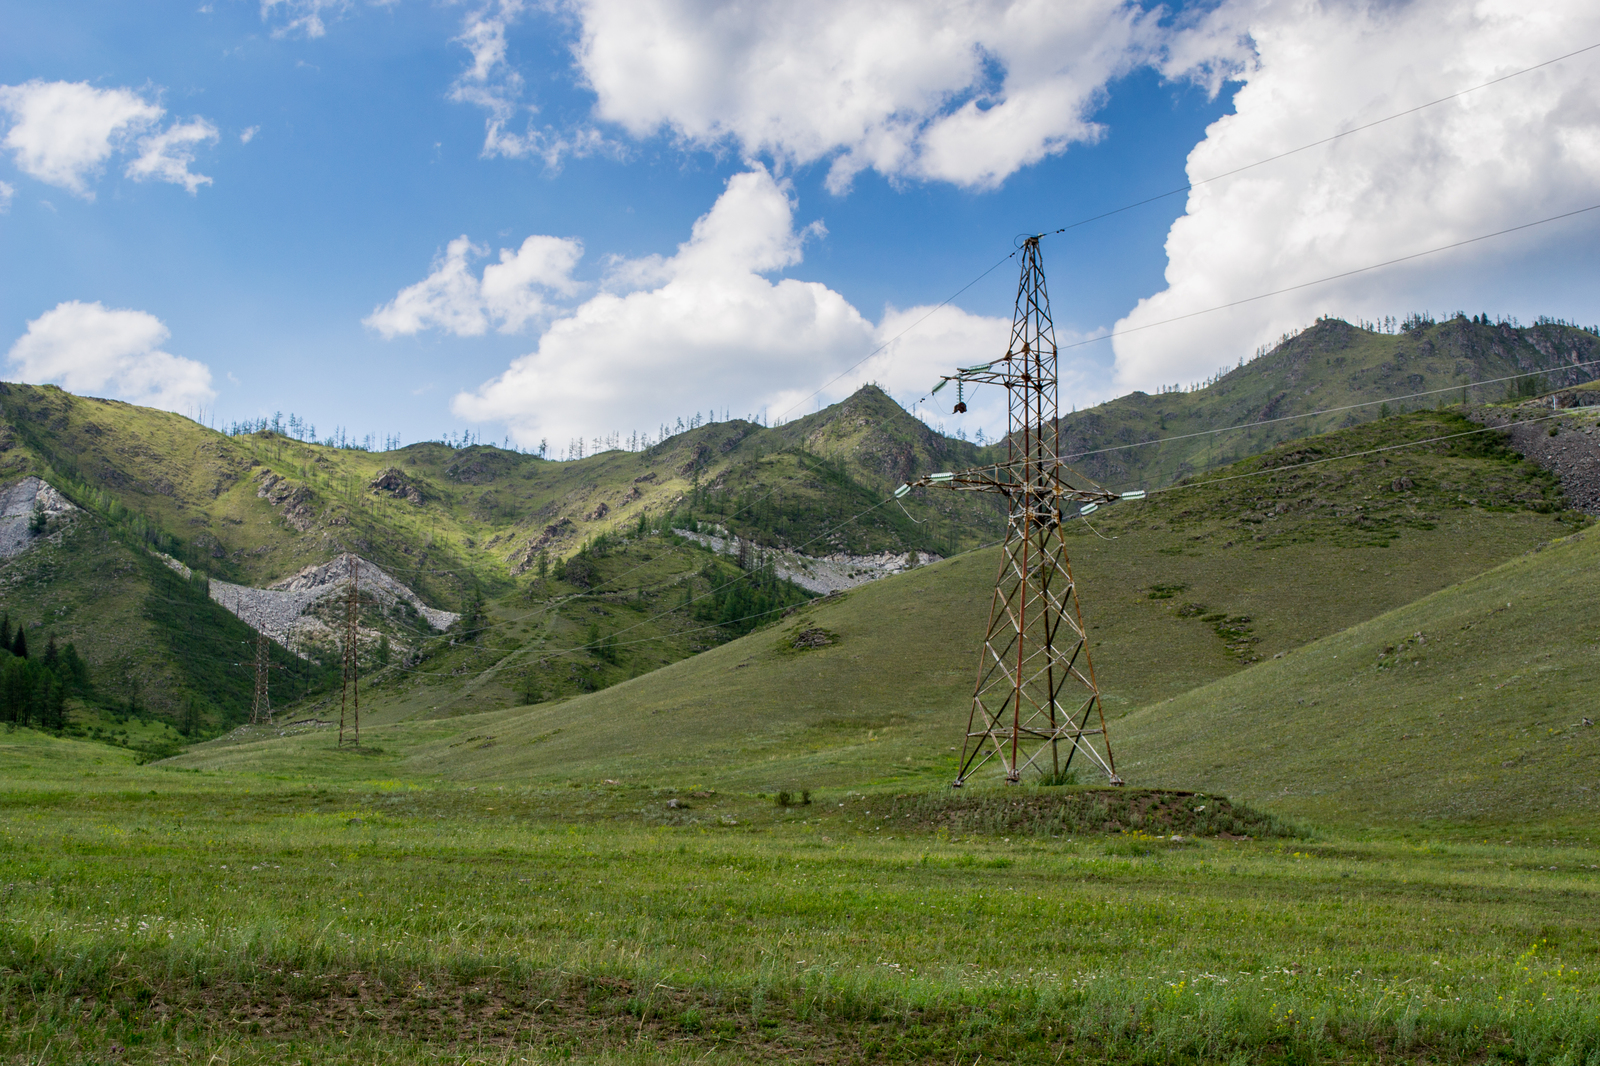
{"x":1505,"y":155}
{"x":707,"y":328}
{"x":965,"y":91}
{"x":90,"y":349}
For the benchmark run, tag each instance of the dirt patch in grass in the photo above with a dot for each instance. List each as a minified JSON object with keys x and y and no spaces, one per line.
{"x":1066,"y":811}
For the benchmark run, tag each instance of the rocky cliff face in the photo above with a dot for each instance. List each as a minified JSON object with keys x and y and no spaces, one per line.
{"x":19,"y":504}
{"x":288,"y":610}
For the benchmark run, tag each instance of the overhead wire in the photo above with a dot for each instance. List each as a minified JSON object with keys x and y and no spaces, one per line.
{"x":1186,"y":188}
{"x":1332,"y":277}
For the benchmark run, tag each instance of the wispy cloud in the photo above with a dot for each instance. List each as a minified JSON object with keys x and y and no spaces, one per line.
{"x":492,"y":83}
{"x":166,"y":156}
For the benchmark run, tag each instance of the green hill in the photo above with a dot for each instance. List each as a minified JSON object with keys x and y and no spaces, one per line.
{"x":1474,"y":703}
{"x":1187,"y":589}
{"x":1330,"y":366}
{"x":456,"y":525}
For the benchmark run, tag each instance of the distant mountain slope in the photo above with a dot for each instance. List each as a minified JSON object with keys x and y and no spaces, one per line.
{"x":254,"y":509}
{"x":1332,"y":364}
{"x":450,"y":524}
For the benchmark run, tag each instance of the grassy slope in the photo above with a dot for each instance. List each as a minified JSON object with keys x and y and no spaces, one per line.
{"x":1331,"y":364}
{"x":1464,"y":705}
{"x":884,"y":704}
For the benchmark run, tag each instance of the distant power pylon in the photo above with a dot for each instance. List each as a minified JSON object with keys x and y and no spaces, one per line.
{"x":1036,"y":691}
{"x":350,"y":687}
{"x":261,"y":709}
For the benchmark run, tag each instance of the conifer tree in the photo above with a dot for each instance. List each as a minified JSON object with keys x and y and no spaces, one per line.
{"x":19,"y":645}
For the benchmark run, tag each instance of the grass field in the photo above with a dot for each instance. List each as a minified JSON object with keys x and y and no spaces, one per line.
{"x":153,"y":915}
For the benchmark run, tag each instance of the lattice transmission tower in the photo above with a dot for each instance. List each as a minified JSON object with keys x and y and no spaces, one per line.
{"x":1036,"y":692}
{"x":261,"y":709}
{"x":350,"y":686}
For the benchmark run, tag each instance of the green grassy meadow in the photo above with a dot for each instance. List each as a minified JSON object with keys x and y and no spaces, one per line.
{"x":154,"y":914}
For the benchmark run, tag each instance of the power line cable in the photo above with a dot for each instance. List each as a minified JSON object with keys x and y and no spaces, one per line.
{"x":936,"y":307}
{"x":1308,"y":284}
{"x":1334,"y":277}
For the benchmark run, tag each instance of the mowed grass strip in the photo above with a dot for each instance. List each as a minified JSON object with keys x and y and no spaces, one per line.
{"x":181,"y":916}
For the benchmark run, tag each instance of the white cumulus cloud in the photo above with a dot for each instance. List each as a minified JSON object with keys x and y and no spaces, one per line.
{"x":508,"y":295}
{"x":88,"y":348}
{"x":166,"y":156}
{"x":1512,"y":153}
{"x":706,"y":327}
{"x":963,"y":91}
{"x":63,"y":132}
{"x":6,"y":193}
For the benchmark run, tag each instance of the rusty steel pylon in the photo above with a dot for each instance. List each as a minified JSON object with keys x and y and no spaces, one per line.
{"x":261,"y":709}
{"x":1036,"y":692}
{"x":351,"y":684}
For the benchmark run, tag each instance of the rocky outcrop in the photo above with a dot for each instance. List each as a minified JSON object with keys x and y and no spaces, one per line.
{"x":393,"y":482}
{"x":479,"y":466}
{"x":19,"y":504}
{"x":824,"y":573}
{"x":1568,"y":447}
{"x":283,"y":610}
{"x":293,"y":501}
{"x":522,"y":559}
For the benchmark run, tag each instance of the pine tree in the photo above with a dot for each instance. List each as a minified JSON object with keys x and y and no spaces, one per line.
{"x":5,"y":631}
{"x":74,"y":671}
{"x":19,"y":645}
{"x":52,"y":655}
{"x":55,"y":704}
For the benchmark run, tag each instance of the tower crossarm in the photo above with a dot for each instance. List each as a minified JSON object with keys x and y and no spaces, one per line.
{"x":1048,"y":480}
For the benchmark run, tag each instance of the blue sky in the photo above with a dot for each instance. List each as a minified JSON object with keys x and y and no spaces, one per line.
{"x":348,"y":144}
